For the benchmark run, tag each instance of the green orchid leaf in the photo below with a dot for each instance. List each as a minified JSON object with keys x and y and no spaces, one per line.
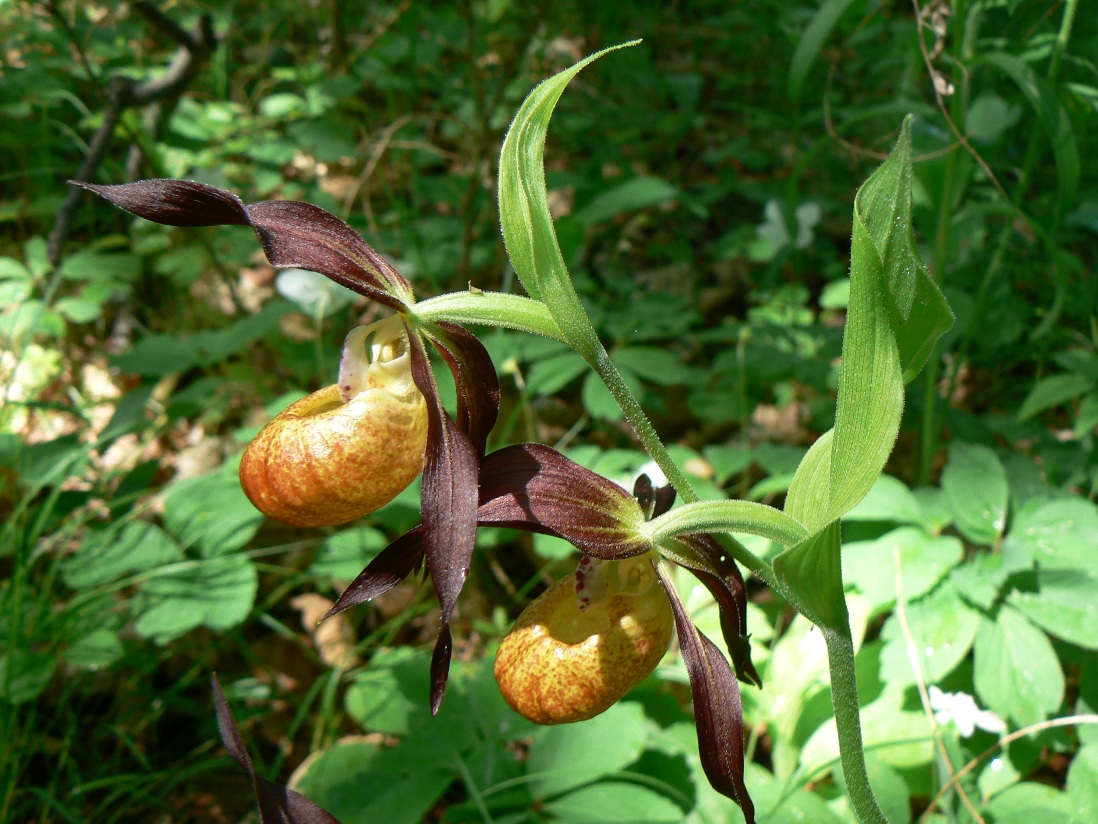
{"x":896,"y":313}
{"x":524,"y":207}
{"x":813,"y":571}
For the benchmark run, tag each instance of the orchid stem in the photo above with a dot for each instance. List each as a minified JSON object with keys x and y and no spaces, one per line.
{"x":844,"y":698}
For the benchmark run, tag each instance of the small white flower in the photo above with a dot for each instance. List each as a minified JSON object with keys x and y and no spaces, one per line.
{"x":961,"y":709}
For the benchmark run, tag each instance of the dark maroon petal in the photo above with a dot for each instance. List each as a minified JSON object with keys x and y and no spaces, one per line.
{"x":174,"y":202}
{"x":645,"y":495}
{"x":277,"y":804}
{"x":301,"y":235}
{"x":532,"y":487}
{"x":715,"y":568}
{"x":388,"y":568}
{"x":293,"y":234}
{"x":653,"y":502}
{"x":718,"y":711}
{"x":440,"y":666}
{"x":665,"y":498}
{"x":474,"y":377}
{"x":449,"y":502}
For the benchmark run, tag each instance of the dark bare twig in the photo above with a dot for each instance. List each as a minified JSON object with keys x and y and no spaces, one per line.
{"x":124,"y":93}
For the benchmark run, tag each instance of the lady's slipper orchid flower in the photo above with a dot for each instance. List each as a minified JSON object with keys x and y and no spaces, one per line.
{"x":586,"y":641}
{"x":534,"y":488}
{"x":348,"y":449}
{"x":303,"y":236}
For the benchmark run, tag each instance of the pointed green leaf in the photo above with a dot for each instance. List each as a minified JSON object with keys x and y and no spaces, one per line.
{"x":896,"y":313}
{"x":812,"y":569}
{"x":524,"y":213}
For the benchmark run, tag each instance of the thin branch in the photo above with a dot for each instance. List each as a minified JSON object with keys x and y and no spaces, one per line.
{"x":124,"y":93}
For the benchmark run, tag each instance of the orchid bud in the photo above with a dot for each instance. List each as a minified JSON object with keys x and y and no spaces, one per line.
{"x":348,"y":449}
{"x":586,"y":641}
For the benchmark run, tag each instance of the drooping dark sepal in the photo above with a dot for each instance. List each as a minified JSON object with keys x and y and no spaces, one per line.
{"x":388,"y":568}
{"x":474,"y":377}
{"x":293,"y":234}
{"x":533,"y":487}
{"x":277,"y":804}
{"x":718,"y":709}
{"x":449,"y":502}
{"x":715,"y":567}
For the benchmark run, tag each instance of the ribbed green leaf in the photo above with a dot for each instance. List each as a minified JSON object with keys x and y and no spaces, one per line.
{"x":896,"y":313}
{"x":524,"y":204}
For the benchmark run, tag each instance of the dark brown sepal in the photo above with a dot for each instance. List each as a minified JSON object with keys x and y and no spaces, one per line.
{"x":277,"y":804}
{"x":533,"y":487}
{"x":718,"y":709}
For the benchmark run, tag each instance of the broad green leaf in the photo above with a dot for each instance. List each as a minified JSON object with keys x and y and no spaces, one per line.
{"x":812,"y":569}
{"x":24,"y":674}
{"x":890,"y":788}
{"x":211,"y":513}
{"x":1053,"y":118}
{"x":653,"y":364}
{"x":384,"y":696}
{"x":346,"y":553}
{"x":627,"y":196}
{"x":366,"y":783}
{"x":898,"y":737}
{"x":162,"y":354}
{"x":106,"y":556}
{"x":217,"y":593}
{"x":909,"y":553}
{"x":1028,"y":802}
{"x":570,"y":755}
{"x":896,"y":314}
{"x":942,"y":628}
{"x":1057,"y":534}
{"x":1016,"y":671}
{"x":99,"y":648}
{"x":976,"y":486}
{"x":890,"y":499}
{"x":598,"y":401}
{"x":1086,"y":420}
{"x":1054,"y":391}
{"x":1065,"y":605}
{"x":1082,"y":784}
{"x":812,"y":40}
{"x":614,"y":802}
{"x":549,"y":375}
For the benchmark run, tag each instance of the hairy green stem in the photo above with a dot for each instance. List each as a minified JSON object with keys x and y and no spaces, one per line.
{"x":844,"y":698}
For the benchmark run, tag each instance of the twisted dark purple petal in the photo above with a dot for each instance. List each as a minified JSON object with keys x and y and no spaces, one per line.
{"x":718,"y":710}
{"x":293,"y":234}
{"x":715,"y":568}
{"x":449,"y":500}
{"x":277,"y":804}
{"x":388,"y":568}
{"x":533,"y":487}
{"x":475,"y":379}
